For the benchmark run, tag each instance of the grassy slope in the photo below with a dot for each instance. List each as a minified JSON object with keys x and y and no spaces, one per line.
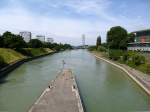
{"x":38,"y":51}
{"x":10,"y":55}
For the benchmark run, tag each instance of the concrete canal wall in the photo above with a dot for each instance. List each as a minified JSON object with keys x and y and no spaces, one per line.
{"x":62,"y":95}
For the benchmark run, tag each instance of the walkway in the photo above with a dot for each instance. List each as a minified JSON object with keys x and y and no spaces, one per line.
{"x":61,"y":96}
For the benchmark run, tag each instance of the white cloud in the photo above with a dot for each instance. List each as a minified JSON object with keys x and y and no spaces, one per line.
{"x":16,"y":18}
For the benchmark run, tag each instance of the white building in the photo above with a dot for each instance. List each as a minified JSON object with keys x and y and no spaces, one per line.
{"x":26,"y":36}
{"x":50,"y":40}
{"x":41,"y":38}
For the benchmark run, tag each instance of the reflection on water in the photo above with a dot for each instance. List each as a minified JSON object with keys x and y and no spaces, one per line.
{"x":103,"y":87}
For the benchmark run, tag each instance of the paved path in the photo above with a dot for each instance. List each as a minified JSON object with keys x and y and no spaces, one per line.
{"x":61,"y":96}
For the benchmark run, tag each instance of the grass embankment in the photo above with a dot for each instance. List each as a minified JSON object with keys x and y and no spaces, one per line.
{"x":38,"y":51}
{"x":143,"y":67}
{"x":8,"y":56}
{"x":34,"y":51}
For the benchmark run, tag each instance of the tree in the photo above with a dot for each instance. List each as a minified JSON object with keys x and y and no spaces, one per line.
{"x":117,"y":38}
{"x":35,"y":43}
{"x":13,"y":41}
{"x":1,"y":41}
{"x":98,"y":42}
{"x":104,"y":45}
{"x":7,"y":34}
{"x":131,"y":37}
{"x":67,"y":46}
{"x":56,"y":46}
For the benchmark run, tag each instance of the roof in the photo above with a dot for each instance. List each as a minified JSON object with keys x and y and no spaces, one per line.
{"x":141,"y":31}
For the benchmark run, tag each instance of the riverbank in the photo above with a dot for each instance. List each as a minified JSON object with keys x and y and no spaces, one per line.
{"x":11,"y":55}
{"x":143,"y":80}
{"x":16,"y":59}
{"x":62,"y":95}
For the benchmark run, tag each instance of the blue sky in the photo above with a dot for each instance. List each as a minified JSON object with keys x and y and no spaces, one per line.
{"x":67,"y":20}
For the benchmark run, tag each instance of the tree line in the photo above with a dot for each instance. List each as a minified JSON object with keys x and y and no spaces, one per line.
{"x":10,"y":40}
{"x":117,"y":38}
{"x":115,"y":48}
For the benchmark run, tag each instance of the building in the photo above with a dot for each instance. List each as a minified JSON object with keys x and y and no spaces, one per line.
{"x":141,"y":41}
{"x":50,"y":40}
{"x":26,"y":36}
{"x":41,"y":38}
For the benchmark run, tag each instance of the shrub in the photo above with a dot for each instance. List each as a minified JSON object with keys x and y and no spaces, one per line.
{"x":138,"y":59}
{"x":25,"y":52}
{"x":32,"y":51}
{"x":125,"y":57}
{"x":115,"y":54}
{"x":134,"y":59}
{"x":92,"y":48}
{"x":101,"y":49}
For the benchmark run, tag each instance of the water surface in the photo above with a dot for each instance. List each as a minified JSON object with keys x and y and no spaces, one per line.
{"x":103,"y":87}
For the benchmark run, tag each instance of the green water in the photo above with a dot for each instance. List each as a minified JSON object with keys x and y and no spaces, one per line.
{"x":103,"y":87}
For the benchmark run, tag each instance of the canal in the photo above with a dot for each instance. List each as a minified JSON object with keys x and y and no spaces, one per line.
{"x":103,"y":87}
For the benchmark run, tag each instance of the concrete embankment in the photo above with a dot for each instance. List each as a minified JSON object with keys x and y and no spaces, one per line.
{"x":140,"y":78}
{"x":62,"y":95}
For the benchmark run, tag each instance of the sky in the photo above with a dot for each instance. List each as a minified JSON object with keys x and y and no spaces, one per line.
{"x":67,"y":20}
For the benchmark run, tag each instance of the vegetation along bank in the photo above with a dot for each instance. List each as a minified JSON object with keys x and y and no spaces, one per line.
{"x":13,"y":49}
{"x":114,"y":51}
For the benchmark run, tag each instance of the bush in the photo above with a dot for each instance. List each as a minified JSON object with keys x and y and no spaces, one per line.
{"x":125,"y":57}
{"x":24,"y":51}
{"x":138,"y":59}
{"x":133,"y":58}
{"x":92,"y":48}
{"x":115,"y":54}
{"x":104,"y":45}
{"x":101,"y":49}
{"x":32,"y":51}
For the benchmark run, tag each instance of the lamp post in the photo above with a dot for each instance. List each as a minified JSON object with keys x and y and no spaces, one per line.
{"x":63,"y":64}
